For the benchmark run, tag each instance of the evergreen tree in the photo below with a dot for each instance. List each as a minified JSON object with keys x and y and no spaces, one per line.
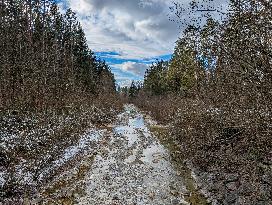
{"x":45,"y":59}
{"x":155,"y":78}
{"x":182,"y":73}
{"x":133,"y":90}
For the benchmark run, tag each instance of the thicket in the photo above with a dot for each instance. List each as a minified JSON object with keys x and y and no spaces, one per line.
{"x":216,"y":92}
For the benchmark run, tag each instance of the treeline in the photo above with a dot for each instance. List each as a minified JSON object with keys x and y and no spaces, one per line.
{"x":216,"y":91}
{"x":130,"y":92}
{"x":45,"y":61}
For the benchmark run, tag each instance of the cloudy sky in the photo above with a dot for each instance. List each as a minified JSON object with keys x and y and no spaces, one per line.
{"x":128,"y":34}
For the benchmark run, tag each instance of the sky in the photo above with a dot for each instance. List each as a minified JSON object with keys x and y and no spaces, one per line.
{"x":129,"y":34}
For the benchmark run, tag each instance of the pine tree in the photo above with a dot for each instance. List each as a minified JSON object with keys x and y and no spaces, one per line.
{"x":132,"y":90}
{"x":155,"y":78}
{"x":45,"y":57}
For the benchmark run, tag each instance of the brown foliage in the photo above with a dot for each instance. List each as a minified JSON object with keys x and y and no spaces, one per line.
{"x":224,"y":122}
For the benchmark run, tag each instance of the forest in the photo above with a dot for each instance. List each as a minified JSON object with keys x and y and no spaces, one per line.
{"x":52,"y":87}
{"x":211,"y":101}
{"x":216,"y":92}
{"x":45,"y":59}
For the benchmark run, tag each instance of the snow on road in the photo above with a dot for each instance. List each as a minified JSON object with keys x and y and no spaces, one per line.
{"x":133,"y":168}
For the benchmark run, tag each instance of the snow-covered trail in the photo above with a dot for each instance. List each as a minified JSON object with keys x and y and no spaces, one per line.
{"x":132,"y":168}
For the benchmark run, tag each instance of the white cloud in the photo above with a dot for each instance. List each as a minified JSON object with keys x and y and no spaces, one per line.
{"x":133,"y":67}
{"x":133,"y":28}
{"x":125,"y":83}
{"x":82,"y":7}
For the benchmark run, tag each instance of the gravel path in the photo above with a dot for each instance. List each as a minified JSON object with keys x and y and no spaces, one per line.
{"x":133,"y":168}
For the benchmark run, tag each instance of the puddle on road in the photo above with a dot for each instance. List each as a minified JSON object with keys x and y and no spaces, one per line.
{"x":137,"y":122}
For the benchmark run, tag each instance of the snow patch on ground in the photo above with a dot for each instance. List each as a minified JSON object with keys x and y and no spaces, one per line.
{"x":2,"y":178}
{"x":136,"y":169}
{"x":84,"y":142}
